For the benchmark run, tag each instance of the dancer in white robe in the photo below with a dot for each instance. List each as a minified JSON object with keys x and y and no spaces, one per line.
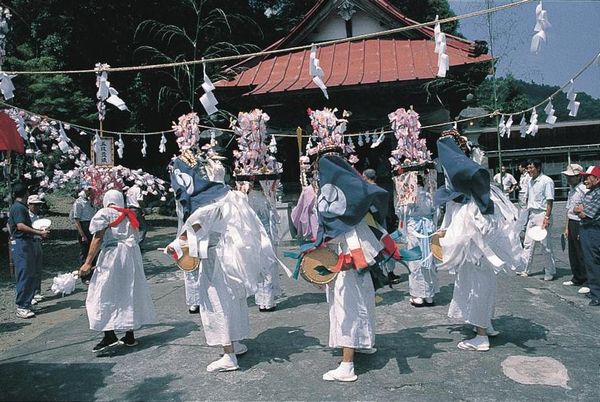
{"x":481,"y":239}
{"x":234,"y":252}
{"x":118,"y":297}
{"x":269,"y":288}
{"x":422,"y":280}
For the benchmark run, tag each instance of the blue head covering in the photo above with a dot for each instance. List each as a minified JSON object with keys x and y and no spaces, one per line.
{"x":192,"y":187}
{"x":465,"y":179}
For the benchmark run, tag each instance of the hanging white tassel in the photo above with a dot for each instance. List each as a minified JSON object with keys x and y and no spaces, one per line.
{"x":379,"y":140}
{"x":367,"y":137}
{"x":96,"y":143}
{"x":508,"y":126}
{"x":162,"y":146}
{"x":144,"y":146}
{"x":63,"y":140}
{"x":533,"y":123}
{"x":6,"y":86}
{"x":549,"y":109}
{"x":360,"y":140}
{"x":316,"y":72}
{"x":273,"y":145}
{"x":523,"y":126}
{"x":440,"y":50}
{"x":120,"y":147}
{"x":541,"y":23}
{"x":502,"y":127}
{"x":573,"y":106}
{"x":208,"y":100}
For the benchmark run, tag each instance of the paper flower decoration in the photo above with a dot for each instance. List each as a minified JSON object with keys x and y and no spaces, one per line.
{"x":407,"y":128}
{"x":328,"y":131}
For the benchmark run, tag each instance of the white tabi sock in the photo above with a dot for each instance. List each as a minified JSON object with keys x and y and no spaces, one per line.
{"x":346,"y":367}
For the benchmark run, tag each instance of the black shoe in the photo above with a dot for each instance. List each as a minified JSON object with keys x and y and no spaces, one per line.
{"x":594,"y":302}
{"x":393,"y":278}
{"x":105,"y":344}
{"x":129,"y":340}
{"x":267,"y":310}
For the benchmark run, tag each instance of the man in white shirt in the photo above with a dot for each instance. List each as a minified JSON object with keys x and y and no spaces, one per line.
{"x":540,"y":198}
{"x":571,"y":232}
{"x":522,"y":196}
{"x":82,"y":213}
{"x":506,"y":181}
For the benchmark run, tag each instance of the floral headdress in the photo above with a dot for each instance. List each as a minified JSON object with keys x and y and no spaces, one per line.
{"x":256,"y":152}
{"x":328,"y":133}
{"x":187,"y":130}
{"x":410,"y":149}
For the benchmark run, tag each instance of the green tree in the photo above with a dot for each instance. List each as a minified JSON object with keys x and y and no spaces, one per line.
{"x":205,"y":36}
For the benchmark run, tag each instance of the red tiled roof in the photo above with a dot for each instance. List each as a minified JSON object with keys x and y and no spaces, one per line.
{"x":368,"y":61}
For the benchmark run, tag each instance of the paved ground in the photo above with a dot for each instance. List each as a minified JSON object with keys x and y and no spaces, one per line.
{"x":549,"y":339}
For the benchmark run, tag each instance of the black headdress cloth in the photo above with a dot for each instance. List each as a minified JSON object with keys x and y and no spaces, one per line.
{"x":465,"y":179}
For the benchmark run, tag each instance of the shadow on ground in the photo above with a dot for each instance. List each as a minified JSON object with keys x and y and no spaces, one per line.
{"x":26,"y":381}
{"x":276,"y":345}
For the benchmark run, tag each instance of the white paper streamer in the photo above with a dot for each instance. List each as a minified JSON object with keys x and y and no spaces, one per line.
{"x":573,"y":106}
{"x":533,"y":123}
{"x":208,"y":100}
{"x":440,"y":50}
{"x":541,"y":23}
{"x":96,"y":143}
{"x":316,"y":72}
{"x":502,"y":127}
{"x":120,"y":146}
{"x":549,"y":109}
{"x":105,"y":92}
{"x":6,"y":86}
{"x":379,"y":140}
{"x":523,"y":126}
{"x":162,"y":146}
{"x":508,"y":126}
{"x":144,"y":146}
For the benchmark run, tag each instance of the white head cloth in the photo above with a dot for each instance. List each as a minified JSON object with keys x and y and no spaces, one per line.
{"x":113,"y":197}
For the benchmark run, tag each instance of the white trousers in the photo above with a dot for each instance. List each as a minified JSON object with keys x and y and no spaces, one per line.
{"x":535,"y":218}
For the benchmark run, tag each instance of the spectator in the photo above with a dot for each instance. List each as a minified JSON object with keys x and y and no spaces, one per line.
{"x":540,"y":198}
{"x":571,"y":232}
{"x":370,"y":175}
{"x":506,"y":181}
{"x":82,"y":213}
{"x":22,"y":233}
{"x":522,"y":194}
{"x":34,"y":203}
{"x":589,"y":234}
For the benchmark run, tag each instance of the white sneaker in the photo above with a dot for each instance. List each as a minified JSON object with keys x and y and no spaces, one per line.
{"x":568,"y":283}
{"x":583,"y":290}
{"x":25,"y":313}
{"x":477,"y":344}
{"x":524,"y":274}
{"x":239,"y":348}
{"x":38,"y":297}
{"x":340,"y":374}
{"x":366,"y":351}
{"x":34,"y":301}
{"x":226,"y":363}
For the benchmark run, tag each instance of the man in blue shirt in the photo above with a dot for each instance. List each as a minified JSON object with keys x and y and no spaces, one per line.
{"x":22,"y":249}
{"x":589,"y":233}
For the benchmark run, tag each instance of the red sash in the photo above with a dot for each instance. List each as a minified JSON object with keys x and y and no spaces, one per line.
{"x":125,"y":213}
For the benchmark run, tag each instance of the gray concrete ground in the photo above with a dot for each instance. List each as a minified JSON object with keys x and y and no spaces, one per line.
{"x":548,"y":348}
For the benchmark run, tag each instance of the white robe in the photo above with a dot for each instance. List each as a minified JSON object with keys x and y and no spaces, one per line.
{"x":422,"y":281}
{"x":235,"y":256}
{"x":351,"y":296}
{"x":476,"y":247}
{"x":269,"y":288}
{"x":118,"y":296}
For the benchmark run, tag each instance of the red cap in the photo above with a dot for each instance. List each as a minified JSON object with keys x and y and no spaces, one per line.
{"x":592,"y":170}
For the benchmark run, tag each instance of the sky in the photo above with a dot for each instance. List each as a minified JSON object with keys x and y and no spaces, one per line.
{"x":573,"y":40}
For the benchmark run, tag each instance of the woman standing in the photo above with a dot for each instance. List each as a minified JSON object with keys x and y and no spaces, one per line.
{"x":118,"y":297}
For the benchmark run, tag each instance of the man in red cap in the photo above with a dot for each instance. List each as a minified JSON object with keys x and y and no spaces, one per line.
{"x":589,"y":212}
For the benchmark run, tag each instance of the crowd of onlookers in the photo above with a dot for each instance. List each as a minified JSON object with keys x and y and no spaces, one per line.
{"x":581,"y":234}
